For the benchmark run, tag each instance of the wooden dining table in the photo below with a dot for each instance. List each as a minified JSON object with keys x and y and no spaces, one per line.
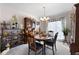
{"x":43,"y":39}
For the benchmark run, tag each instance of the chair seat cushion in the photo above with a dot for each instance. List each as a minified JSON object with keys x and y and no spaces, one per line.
{"x":49,"y":42}
{"x":38,"y":45}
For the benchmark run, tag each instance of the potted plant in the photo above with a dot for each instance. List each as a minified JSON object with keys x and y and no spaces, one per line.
{"x":65,"y":32}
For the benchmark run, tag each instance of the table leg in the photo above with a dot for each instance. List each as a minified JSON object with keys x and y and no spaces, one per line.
{"x":44,"y":50}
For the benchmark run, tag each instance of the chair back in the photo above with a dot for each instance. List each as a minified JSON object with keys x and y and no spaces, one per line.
{"x":31,"y":41}
{"x":50,"y":33}
{"x":55,"y":38}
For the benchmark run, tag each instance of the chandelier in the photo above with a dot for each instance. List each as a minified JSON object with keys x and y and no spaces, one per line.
{"x":44,"y":18}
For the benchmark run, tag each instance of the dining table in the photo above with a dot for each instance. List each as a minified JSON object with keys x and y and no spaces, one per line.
{"x":43,"y":39}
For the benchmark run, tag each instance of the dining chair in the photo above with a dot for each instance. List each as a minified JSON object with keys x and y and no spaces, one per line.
{"x":52,"y":42}
{"x":32,"y":45}
{"x":50,"y":33}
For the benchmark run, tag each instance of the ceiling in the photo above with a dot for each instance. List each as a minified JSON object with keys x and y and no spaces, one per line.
{"x":36,"y":9}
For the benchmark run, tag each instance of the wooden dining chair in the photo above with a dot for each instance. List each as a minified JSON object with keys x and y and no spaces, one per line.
{"x":32,"y":45}
{"x":52,"y":42}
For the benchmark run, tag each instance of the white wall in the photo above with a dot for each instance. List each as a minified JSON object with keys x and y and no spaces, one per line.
{"x":6,"y":14}
{"x":0,"y":10}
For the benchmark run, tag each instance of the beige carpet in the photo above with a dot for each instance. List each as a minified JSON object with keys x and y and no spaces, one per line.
{"x":62,"y":49}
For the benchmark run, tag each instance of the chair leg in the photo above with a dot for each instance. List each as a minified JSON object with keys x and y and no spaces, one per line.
{"x":35,"y":53}
{"x":28,"y":51}
{"x":42,"y":51}
{"x":53,"y":50}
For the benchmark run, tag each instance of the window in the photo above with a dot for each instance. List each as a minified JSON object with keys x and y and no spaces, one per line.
{"x":56,"y":27}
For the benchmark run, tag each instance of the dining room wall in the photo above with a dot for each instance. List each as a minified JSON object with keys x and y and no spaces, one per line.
{"x":7,"y":12}
{"x":0,"y":11}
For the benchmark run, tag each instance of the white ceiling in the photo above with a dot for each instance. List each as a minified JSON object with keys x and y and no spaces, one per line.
{"x":36,"y":9}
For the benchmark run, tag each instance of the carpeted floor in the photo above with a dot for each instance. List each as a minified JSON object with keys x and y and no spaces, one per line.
{"x":62,"y":49}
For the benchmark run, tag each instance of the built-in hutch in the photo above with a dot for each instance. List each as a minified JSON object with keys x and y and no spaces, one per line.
{"x":74,"y":47}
